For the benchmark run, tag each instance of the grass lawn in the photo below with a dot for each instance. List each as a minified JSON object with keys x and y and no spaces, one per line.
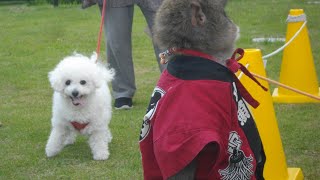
{"x":33,"y":39}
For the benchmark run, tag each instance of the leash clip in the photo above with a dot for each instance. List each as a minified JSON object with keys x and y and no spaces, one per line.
{"x":164,"y":56}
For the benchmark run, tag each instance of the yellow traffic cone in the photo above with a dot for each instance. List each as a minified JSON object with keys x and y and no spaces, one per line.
{"x":297,"y":69}
{"x":276,"y":166}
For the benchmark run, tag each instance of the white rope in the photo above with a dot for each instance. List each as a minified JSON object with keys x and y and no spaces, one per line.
{"x":290,"y":18}
{"x":286,"y":44}
{"x":270,"y":39}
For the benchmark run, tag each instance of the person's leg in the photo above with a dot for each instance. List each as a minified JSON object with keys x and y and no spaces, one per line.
{"x":149,"y":14}
{"x":118,"y":26}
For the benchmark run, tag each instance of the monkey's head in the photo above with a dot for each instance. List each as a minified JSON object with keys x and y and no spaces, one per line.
{"x":195,"y":24}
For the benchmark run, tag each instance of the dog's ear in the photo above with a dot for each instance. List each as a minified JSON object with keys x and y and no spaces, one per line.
{"x":108,"y":74}
{"x":55,"y":79}
{"x":103,"y":75}
{"x":198,"y":18}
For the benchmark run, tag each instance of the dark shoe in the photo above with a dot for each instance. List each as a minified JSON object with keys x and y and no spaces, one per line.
{"x":123,"y":103}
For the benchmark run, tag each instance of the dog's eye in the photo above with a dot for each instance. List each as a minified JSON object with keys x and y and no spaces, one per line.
{"x":83,"y":82}
{"x":68,"y":82}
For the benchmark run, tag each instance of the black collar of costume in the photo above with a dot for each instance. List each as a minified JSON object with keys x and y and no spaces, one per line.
{"x":198,"y":68}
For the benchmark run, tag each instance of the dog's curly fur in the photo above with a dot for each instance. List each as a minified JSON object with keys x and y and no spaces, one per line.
{"x":81,"y":95}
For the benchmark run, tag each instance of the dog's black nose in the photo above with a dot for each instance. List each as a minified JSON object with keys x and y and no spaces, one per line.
{"x":75,"y":93}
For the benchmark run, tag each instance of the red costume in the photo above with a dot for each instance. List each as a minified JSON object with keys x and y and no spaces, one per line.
{"x":197,"y":102}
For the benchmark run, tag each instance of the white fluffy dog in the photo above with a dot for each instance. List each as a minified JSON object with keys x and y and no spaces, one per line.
{"x":81,"y":104}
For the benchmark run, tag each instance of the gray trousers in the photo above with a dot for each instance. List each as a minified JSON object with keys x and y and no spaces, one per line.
{"x":118,"y":27}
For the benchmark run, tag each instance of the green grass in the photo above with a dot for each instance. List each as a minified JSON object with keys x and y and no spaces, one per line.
{"x":34,"y":38}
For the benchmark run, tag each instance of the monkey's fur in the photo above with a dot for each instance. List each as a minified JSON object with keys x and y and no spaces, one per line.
{"x":196,"y":24}
{"x":200,"y":25}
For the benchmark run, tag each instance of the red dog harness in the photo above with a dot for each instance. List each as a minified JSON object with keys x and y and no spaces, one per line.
{"x":79,"y":126}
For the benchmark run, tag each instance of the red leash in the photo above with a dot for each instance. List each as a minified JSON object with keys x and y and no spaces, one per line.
{"x":101,"y":29}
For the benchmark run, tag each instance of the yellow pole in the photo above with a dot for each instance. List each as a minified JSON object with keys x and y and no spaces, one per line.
{"x":276,"y":166}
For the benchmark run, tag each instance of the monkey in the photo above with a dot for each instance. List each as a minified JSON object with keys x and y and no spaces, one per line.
{"x":198,"y":125}
{"x":196,"y":24}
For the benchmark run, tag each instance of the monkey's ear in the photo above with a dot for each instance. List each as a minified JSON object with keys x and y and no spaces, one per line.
{"x":198,"y":18}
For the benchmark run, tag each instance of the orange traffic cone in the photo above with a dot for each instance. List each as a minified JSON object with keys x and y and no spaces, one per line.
{"x":297,"y":69}
{"x":276,"y":166}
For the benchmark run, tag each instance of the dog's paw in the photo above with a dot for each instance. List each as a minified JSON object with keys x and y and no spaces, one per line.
{"x":51,"y":153}
{"x":101,"y":156}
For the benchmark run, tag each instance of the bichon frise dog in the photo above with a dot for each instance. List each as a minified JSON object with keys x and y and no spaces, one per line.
{"x":81,"y":104}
